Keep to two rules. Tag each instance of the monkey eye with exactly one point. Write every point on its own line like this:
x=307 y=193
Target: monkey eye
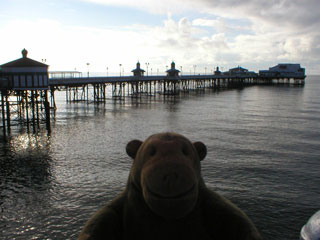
x=185 y=151
x=153 y=151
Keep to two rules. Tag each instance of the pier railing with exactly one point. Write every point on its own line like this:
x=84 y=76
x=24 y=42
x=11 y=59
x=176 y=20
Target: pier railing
x=112 y=79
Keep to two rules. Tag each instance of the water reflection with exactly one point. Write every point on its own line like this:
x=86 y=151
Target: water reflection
x=25 y=179
x=25 y=163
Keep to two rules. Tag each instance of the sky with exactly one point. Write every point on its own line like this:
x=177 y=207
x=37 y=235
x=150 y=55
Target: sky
x=197 y=35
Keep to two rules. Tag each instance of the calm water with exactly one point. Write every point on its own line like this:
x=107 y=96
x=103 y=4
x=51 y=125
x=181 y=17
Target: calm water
x=263 y=154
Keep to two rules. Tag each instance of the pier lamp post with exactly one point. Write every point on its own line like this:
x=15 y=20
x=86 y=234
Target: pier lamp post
x=107 y=71
x=88 y=68
x=120 y=68
x=181 y=70
x=151 y=72
x=194 y=69
x=205 y=71
x=147 y=65
x=158 y=71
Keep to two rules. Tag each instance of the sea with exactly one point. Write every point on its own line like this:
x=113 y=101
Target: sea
x=263 y=154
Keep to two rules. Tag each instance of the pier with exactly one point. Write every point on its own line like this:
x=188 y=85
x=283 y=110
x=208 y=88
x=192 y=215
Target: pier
x=77 y=88
x=28 y=89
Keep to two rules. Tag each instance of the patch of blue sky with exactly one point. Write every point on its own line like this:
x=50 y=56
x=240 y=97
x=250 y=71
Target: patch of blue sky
x=77 y=13
x=231 y=27
x=112 y=16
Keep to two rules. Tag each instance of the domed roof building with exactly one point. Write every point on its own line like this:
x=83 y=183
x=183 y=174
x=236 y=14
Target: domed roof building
x=173 y=72
x=138 y=71
x=24 y=74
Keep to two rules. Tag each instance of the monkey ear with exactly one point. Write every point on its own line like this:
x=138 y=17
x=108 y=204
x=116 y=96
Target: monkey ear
x=132 y=148
x=201 y=150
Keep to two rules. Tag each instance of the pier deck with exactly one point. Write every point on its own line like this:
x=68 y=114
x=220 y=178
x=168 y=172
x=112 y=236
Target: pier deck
x=113 y=79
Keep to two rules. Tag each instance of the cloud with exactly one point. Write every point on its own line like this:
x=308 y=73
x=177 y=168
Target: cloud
x=278 y=29
x=187 y=43
x=280 y=13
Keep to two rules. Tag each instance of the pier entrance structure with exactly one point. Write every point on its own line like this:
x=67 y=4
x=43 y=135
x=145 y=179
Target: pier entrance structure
x=24 y=85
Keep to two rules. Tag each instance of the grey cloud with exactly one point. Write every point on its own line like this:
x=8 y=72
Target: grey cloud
x=294 y=13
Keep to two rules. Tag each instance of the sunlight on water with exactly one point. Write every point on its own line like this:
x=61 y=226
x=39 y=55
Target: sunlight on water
x=29 y=142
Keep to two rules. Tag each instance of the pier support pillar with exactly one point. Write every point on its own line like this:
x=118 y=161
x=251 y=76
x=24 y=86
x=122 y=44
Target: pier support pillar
x=47 y=111
x=3 y=114
x=8 y=112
